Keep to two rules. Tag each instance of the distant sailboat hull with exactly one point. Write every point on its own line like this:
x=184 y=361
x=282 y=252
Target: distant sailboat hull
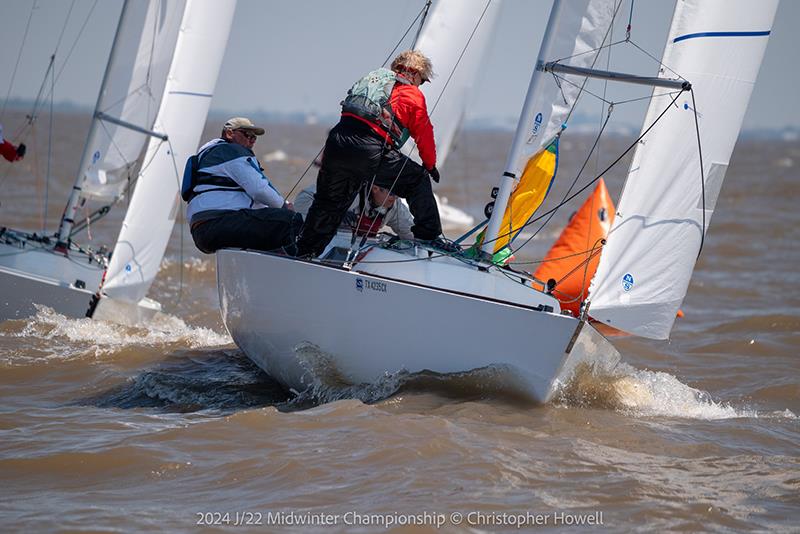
x=31 y=277
x=363 y=327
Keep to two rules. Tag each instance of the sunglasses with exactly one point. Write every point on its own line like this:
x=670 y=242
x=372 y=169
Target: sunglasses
x=249 y=135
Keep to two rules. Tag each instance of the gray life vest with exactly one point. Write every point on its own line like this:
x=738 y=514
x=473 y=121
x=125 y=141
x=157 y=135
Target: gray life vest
x=368 y=98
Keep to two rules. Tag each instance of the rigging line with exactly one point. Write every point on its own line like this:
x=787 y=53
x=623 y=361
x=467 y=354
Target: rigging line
x=648 y=97
x=49 y=149
x=461 y=56
x=630 y=23
x=102 y=211
x=77 y=38
x=581 y=87
x=178 y=181
x=613 y=163
x=64 y=27
x=593 y=50
x=441 y=94
x=421 y=24
x=551 y=260
x=32 y=117
x=16 y=65
x=594 y=251
x=574 y=181
x=455 y=67
x=594 y=61
x=660 y=64
x=702 y=172
x=413 y=22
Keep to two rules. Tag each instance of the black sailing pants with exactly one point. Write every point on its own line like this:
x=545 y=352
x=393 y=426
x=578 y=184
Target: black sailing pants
x=353 y=155
x=266 y=229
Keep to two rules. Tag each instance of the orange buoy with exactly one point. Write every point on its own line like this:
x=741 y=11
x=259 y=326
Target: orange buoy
x=573 y=258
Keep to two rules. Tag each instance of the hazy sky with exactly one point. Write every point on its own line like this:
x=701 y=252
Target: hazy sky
x=302 y=55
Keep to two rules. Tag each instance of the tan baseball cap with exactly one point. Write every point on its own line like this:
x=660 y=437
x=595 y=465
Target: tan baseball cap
x=242 y=123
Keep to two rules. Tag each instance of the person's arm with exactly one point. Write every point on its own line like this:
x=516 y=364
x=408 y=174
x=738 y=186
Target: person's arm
x=399 y=219
x=246 y=172
x=408 y=104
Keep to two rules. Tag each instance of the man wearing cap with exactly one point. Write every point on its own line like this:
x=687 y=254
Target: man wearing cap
x=232 y=203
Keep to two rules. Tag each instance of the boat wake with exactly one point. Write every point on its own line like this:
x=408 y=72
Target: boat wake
x=325 y=383
x=66 y=337
x=646 y=393
x=189 y=381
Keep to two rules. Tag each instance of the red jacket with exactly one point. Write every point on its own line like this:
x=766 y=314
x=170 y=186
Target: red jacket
x=8 y=151
x=408 y=104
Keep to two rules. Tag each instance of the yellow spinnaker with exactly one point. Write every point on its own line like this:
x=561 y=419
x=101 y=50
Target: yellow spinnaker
x=529 y=193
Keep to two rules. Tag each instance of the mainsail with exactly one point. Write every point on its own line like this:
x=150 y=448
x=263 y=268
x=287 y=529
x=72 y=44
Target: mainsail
x=576 y=31
x=667 y=203
x=182 y=116
x=456 y=36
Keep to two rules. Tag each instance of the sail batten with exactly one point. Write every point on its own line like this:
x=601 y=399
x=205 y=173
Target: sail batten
x=668 y=200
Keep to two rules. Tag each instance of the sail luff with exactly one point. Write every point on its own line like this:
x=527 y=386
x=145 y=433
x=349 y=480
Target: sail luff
x=155 y=202
x=667 y=202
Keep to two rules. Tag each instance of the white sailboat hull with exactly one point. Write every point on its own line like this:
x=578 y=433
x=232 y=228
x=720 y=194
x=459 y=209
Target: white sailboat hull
x=66 y=283
x=366 y=326
x=31 y=276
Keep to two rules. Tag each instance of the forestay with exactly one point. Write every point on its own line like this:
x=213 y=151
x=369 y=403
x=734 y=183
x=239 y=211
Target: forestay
x=645 y=268
x=132 y=92
x=184 y=108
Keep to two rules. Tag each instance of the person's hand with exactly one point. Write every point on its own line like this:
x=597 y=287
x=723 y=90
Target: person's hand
x=21 y=149
x=288 y=205
x=350 y=219
x=434 y=174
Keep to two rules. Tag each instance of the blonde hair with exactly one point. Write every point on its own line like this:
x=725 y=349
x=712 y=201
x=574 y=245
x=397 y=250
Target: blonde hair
x=413 y=60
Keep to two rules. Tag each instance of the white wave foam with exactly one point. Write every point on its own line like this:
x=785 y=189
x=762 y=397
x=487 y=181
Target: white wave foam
x=105 y=337
x=662 y=394
x=644 y=393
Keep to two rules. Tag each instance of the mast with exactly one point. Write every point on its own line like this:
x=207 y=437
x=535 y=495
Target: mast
x=525 y=127
x=68 y=218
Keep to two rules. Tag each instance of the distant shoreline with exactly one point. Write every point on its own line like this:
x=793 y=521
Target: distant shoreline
x=503 y=124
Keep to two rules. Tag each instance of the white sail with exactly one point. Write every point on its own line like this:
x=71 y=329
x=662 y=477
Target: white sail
x=184 y=108
x=456 y=36
x=575 y=32
x=645 y=268
x=132 y=92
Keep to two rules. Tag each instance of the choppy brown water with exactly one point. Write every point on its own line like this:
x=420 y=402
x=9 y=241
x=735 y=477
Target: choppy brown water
x=113 y=428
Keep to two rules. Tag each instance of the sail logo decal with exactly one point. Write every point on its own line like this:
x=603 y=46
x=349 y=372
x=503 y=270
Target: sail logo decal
x=369 y=285
x=686 y=106
x=537 y=125
x=627 y=282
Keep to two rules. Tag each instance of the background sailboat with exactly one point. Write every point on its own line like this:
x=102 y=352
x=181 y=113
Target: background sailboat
x=133 y=102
